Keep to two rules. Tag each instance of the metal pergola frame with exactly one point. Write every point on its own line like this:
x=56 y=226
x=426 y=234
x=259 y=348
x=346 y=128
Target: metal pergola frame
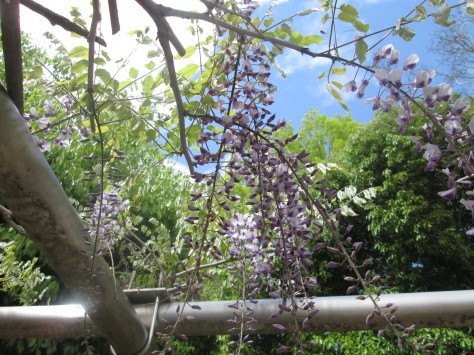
x=336 y=314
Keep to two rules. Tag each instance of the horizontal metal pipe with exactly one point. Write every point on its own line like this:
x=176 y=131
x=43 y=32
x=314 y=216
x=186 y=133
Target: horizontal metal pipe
x=426 y=310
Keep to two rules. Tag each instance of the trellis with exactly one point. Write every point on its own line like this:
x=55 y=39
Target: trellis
x=37 y=201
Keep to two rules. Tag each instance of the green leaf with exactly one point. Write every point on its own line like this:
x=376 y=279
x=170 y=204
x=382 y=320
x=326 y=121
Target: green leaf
x=324 y=19
x=307 y=40
x=279 y=32
x=152 y=54
x=345 y=17
x=268 y=21
x=80 y=66
x=361 y=51
x=133 y=73
x=99 y=61
x=359 y=201
x=189 y=70
x=370 y=193
x=338 y=71
x=350 y=10
x=189 y=52
x=150 y=65
x=406 y=33
x=441 y=16
x=360 y=26
x=322 y=76
x=124 y=84
x=36 y=73
x=421 y=11
x=104 y=75
x=79 y=52
x=335 y=94
x=347 y=211
x=287 y=28
x=106 y=56
x=303 y=40
x=470 y=7
x=147 y=85
x=338 y=85
x=307 y=12
x=150 y=135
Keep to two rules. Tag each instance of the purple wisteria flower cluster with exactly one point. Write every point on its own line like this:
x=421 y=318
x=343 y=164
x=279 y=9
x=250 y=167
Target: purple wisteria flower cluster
x=43 y=125
x=419 y=98
x=283 y=216
x=102 y=216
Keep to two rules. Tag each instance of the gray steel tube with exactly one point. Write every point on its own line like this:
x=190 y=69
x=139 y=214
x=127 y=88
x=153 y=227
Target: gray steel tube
x=344 y=313
x=32 y=192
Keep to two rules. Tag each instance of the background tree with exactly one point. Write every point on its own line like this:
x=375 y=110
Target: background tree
x=454 y=46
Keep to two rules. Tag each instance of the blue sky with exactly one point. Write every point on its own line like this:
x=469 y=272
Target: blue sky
x=302 y=90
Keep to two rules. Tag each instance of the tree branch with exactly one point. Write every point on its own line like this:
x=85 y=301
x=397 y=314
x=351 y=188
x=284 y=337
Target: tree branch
x=56 y=19
x=154 y=10
x=165 y=36
x=96 y=17
x=11 y=42
x=114 y=17
x=6 y=214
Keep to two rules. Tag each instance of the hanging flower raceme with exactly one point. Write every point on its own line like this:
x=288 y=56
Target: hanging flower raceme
x=426 y=98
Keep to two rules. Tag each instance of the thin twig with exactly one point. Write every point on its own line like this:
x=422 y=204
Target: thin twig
x=217 y=263
x=6 y=215
x=159 y=10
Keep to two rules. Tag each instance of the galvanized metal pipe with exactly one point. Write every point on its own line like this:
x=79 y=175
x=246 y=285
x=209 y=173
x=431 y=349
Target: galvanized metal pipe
x=345 y=313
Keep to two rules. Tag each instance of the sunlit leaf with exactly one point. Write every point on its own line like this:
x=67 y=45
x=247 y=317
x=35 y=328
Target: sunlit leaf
x=441 y=16
x=189 y=70
x=268 y=21
x=346 y=17
x=79 y=52
x=361 y=50
x=36 y=73
x=104 y=75
x=150 y=65
x=189 y=52
x=334 y=93
x=421 y=10
x=347 y=211
x=338 y=71
x=349 y=9
x=133 y=73
x=406 y=33
x=360 y=26
x=308 y=11
x=470 y=7
x=99 y=61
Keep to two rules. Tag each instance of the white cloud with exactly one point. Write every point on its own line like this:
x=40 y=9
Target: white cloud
x=273 y=2
x=176 y=166
x=293 y=61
